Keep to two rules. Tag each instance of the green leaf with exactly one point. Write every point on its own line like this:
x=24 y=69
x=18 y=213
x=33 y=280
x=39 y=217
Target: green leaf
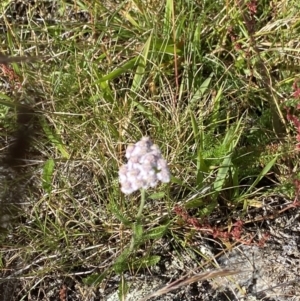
x=262 y=173
x=222 y=173
x=155 y=233
x=141 y=66
x=119 y=215
x=145 y=262
x=120 y=267
x=195 y=125
x=216 y=107
x=47 y=174
x=167 y=21
x=95 y=279
x=208 y=209
x=54 y=139
x=229 y=143
x=117 y=72
x=8 y=103
x=106 y=90
x=121 y=263
x=137 y=82
x=130 y=19
x=196 y=203
x=137 y=232
x=199 y=138
x=156 y=196
x=143 y=109
x=162 y=46
x=200 y=92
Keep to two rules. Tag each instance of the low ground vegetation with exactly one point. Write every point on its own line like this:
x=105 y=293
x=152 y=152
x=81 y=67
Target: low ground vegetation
x=214 y=84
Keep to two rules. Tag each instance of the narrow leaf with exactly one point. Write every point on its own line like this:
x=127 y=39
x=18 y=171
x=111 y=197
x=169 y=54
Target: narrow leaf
x=156 y=233
x=141 y=66
x=121 y=263
x=262 y=173
x=47 y=175
x=167 y=22
x=95 y=279
x=200 y=92
x=53 y=138
x=156 y=196
x=145 y=262
x=137 y=232
x=222 y=174
x=117 y=72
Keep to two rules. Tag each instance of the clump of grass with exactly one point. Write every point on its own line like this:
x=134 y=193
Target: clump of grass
x=205 y=80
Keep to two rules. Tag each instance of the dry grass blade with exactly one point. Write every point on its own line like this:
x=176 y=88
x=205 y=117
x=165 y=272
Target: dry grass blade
x=17 y=59
x=187 y=280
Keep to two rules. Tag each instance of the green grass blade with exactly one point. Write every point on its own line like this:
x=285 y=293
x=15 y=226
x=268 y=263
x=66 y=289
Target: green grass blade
x=216 y=107
x=167 y=22
x=222 y=174
x=129 y=65
x=95 y=279
x=200 y=92
x=47 y=174
x=141 y=66
x=54 y=139
x=262 y=174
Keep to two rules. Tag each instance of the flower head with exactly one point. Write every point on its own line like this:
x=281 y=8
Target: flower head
x=145 y=167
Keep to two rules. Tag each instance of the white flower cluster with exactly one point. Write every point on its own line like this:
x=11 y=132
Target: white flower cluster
x=145 y=167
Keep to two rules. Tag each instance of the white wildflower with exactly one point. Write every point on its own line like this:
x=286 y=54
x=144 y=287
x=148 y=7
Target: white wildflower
x=145 y=167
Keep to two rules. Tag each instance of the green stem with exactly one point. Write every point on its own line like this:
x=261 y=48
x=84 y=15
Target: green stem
x=143 y=198
x=133 y=241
